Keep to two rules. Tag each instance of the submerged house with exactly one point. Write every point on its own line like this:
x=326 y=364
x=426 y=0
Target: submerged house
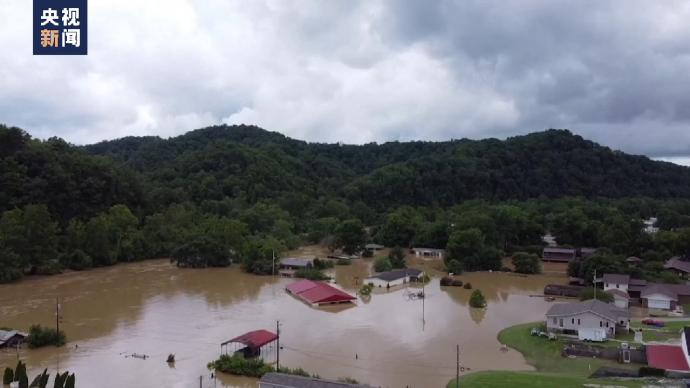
x=318 y=293
x=671 y=357
x=288 y=266
x=395 y=278
x=429 y=253
x=11 y=338
x=588 y=319
x=558 y=255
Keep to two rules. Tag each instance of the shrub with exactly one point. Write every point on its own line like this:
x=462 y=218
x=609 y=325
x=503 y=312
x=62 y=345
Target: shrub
x=366 y=289
x=77 y=260
x=8 y=376
x=322 y=264
x=526 y=263
x=477 y=299
x=447 y=281
x=397 y=257
x=311 y=274
x=506 y=269
x=454 y=267
x=588 y=293
x=238 y=365
x=42 y=336
x=467 y=286
x=651 y=371
x=20 y=372
x=382 y=264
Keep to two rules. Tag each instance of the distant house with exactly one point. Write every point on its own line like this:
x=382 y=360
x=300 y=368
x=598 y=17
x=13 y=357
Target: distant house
x=374 y=247
x=633 y=260
x=614 y=281
x=589 y=316
x=289 y=265
x=649 y=225
x=665 y=296
x=676 y=263
x=560 y=255
x=430 y=253
x=395 y=278
x=318 y=293
x=282 y=380
x=549 y=239
x=11 y=338
x=586 y=253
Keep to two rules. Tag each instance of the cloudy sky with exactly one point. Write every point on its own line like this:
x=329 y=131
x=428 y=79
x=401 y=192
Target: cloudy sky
x=617 y=72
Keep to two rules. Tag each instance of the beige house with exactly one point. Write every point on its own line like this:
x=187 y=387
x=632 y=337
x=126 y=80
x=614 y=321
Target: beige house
x=573 y=318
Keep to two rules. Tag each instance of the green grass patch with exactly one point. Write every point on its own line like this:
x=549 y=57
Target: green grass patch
x=505 y=379
x=545 y=355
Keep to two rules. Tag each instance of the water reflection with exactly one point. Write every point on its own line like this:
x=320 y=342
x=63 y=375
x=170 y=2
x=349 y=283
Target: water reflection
x=156 y=309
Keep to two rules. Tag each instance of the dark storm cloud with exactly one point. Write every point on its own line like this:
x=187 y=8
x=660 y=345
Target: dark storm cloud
x=616 y=72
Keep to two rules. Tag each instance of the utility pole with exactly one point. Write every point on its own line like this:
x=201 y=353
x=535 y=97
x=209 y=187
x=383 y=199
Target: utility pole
x=278 y=347
x=594 y=282
x=57 y=314
x=200 y=381
x=457 y=366
x=273 y=267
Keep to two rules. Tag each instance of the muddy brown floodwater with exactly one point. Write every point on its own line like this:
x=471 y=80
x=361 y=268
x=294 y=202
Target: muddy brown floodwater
x=154 y=308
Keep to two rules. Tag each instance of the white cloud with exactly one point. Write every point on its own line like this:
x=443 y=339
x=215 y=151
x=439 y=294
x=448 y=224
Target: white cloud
x=359 y=71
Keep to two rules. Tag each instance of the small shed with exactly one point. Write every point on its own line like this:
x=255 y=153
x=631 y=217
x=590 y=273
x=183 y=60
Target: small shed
x=252 y=343
x=11 y=338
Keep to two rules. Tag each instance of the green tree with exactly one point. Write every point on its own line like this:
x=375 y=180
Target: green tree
x=397 y=257
x=477 y=299
x=589 y=293
x=527 y=263
x=32 y=234
x=8 y=376
x=382 y=264
x=350 y=235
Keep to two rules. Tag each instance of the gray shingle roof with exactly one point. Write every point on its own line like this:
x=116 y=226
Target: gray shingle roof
x=398 y=274
x=597 y=307
x=293 y=262
x=270 y=380
x=616 y=278
x=678 y=264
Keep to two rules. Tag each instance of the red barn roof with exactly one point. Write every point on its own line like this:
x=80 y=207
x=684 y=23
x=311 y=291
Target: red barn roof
x=318 y=292
x=254 y=339
x=667 y=357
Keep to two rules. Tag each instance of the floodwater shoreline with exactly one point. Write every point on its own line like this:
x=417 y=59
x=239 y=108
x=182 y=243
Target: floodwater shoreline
x=151 y=307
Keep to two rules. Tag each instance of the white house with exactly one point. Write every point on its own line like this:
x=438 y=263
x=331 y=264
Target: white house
x=395 y=278
x=430 y=253
x=614 y=281
x=592 y=316
x=659 y=296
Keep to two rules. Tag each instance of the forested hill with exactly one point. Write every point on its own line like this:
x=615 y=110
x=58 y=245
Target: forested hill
x=252 y=164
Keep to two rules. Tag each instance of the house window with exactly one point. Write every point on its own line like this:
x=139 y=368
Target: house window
x=573 y=321
x=607 y=285
x=578 y=321
x=601 y=324
x=617 y=285
x=607 y=323
x=560 y=323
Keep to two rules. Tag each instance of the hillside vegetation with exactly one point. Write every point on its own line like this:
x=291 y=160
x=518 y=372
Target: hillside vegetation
x=237 y=194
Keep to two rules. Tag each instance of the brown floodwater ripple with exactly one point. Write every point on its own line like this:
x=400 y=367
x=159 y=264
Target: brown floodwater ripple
x=154 y=308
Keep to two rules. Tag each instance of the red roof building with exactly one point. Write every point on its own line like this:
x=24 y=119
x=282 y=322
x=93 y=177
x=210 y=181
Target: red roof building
x=318 y=293
x=253 y=342
x=669 y=357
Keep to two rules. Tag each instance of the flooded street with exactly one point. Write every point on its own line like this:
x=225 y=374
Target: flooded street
x=155 y=308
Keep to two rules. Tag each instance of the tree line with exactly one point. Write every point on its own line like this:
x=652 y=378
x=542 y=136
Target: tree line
x=242 y=195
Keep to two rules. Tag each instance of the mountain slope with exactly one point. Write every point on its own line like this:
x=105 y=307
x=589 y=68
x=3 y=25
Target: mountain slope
x=252 y=164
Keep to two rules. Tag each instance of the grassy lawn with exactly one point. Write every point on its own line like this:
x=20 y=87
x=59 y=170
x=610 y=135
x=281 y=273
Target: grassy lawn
x=546 y=356
x=670 y=331
x=505 y=379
